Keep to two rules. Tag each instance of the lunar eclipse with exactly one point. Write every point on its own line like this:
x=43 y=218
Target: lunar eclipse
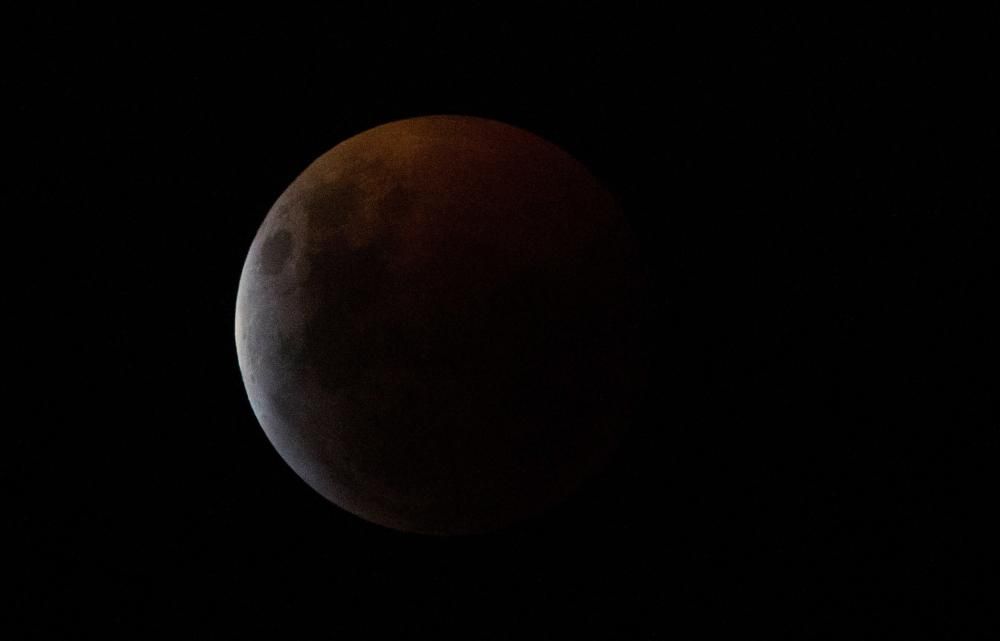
x=438 y=324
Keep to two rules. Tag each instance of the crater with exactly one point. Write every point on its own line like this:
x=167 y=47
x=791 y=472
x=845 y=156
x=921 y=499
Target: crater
x=276 y=251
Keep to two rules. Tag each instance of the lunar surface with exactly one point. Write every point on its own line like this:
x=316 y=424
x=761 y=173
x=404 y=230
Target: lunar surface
x=437 y=325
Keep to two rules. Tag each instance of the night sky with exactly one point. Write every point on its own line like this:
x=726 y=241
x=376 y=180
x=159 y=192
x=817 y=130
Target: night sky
x=811 y=204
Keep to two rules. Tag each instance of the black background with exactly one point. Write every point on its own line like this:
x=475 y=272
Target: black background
x=811 y=198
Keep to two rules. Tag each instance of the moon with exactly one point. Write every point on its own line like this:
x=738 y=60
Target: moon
x=438 y=325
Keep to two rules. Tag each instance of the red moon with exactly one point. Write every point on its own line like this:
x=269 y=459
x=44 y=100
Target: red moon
x=438 y=324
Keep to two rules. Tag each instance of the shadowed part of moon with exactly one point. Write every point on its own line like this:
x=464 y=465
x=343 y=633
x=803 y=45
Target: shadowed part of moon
x=437 y=324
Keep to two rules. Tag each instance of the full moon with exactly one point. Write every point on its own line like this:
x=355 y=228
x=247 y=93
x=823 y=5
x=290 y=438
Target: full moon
x=437 y=325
